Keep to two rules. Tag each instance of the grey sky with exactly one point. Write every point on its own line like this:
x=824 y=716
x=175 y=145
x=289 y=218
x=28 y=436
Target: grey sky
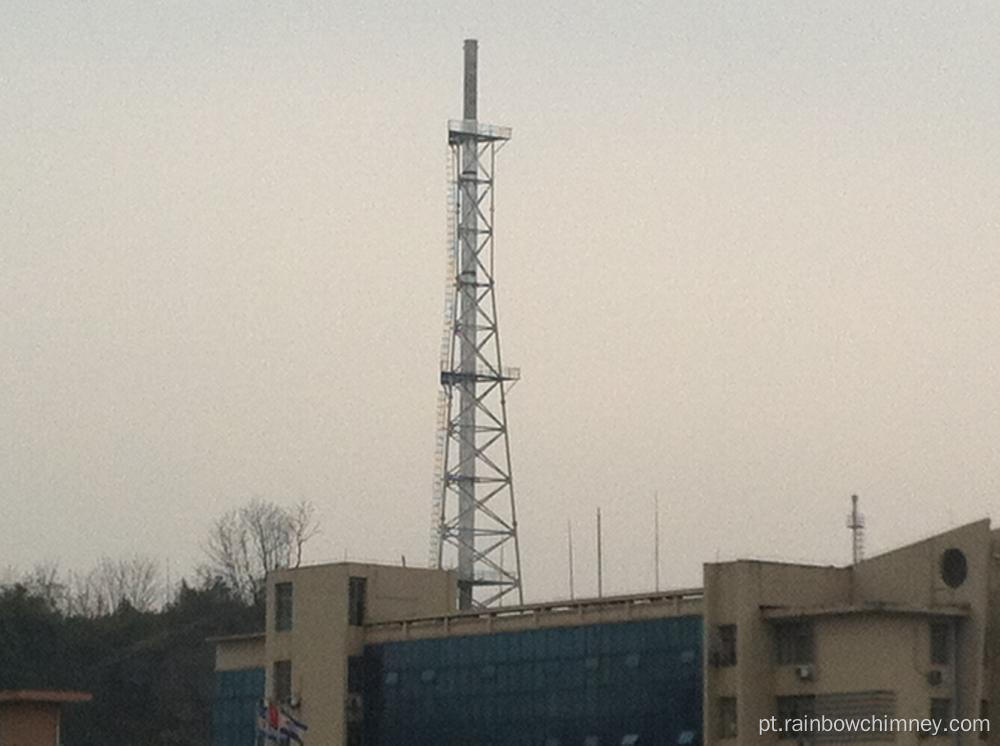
x=747 y=256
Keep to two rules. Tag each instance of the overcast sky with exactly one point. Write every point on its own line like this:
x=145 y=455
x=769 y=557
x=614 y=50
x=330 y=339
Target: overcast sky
x=747 y=257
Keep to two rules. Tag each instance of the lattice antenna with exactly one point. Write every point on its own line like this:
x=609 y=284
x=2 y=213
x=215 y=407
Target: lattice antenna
x=856 y=522
x=474 y=492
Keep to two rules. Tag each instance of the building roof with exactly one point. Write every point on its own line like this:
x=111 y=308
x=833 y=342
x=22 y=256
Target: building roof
x=635 y=599
x=245 y=637
x=48 y=696
x=881 y=608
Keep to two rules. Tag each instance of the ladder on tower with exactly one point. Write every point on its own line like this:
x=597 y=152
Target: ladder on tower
x=441 y=430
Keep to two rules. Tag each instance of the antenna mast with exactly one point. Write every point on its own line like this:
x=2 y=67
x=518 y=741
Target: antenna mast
x=856 y=522
x=600 y=558
x=474 y=511
x=569 y=539
x=656 y=539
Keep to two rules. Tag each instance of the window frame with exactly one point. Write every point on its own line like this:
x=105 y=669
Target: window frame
x=795 y=643
x=940 y=643
x=727 y=718
x=357 y=600
x=791 y=707
x=726 y=645
x=284 y=606
x=355 y=674
x=935 y=708
x=281 y=685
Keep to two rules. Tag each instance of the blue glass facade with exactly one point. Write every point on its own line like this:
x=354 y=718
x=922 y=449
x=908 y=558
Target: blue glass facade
x=237 y=694
x=594 y=685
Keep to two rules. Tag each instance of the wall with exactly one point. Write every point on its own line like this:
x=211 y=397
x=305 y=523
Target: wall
x=553 y=686
x=320 y=640
x=554 y=614
x=239 y=652
x=912 y=574
x=871 y=627
x=735 y=592
x=29 y=724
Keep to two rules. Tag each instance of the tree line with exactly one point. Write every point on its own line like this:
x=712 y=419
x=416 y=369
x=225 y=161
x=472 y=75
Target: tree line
x=141 y=648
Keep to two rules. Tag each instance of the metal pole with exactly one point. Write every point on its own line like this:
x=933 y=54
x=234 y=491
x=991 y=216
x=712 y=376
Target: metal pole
x=854 y=529
x=569 y=536
x=467 y=277
x=656 y=538
x=600 y=562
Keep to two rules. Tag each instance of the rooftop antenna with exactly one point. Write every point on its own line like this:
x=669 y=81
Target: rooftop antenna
x=656 y=539
x=473 y=505
x=856 y=522
x=600 y=561
x=569 y=539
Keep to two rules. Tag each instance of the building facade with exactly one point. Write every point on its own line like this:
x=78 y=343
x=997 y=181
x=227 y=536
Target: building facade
x=33 y=717
x=378 y=655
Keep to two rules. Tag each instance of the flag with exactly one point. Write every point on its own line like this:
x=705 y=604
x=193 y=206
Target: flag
x=268 y=721
x=265 y=729
x=291 y=727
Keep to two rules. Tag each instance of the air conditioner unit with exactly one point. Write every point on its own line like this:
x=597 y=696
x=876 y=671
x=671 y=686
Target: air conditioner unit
x=934 y=677
x=806 y=672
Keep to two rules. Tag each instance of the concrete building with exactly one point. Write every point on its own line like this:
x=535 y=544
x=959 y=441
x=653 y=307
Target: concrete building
x=371 y=654
x=30 y=717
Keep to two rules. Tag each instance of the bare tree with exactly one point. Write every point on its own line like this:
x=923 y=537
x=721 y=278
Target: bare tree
x=83 y=597
x=246 y=543
x=304 y=526
x=43 y=581
x=9 y=576
x=133 y=580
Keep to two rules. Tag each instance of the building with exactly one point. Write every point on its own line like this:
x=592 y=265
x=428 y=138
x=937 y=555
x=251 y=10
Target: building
x=31 y=717
x=377 y=655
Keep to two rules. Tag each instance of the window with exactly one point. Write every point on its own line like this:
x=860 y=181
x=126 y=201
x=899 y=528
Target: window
x=283 y=607
x=794 y=643
x=954 y=567
x=356 y=590
x=940 y=708
x=726 y=645
x=726 y=723
x=282 y=686
x=940 y=643
x=793 y=715
x=355 y=673
x=354 y=734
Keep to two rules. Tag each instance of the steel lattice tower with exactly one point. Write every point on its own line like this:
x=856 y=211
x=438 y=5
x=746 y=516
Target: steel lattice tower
x=474 y=491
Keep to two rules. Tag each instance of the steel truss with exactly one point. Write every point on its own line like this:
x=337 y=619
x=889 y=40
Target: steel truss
x=474 y=490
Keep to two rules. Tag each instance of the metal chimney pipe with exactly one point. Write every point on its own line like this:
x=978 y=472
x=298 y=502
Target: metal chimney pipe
x=471 y=72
